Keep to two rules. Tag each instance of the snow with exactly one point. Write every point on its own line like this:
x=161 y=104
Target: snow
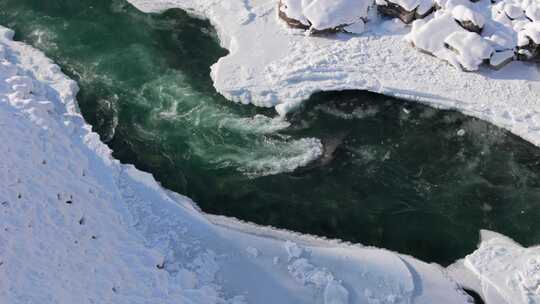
x=424 y=7
x=502 y=270
x=324 y=14
x=293 y=9
x=408 y=5
x=471 y=49
x=530 y=32
x=463 y=13
x=79 y=227
x=430 y=36
x=285 y=67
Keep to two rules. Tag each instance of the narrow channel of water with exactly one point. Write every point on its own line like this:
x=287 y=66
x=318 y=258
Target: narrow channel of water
x=394 y=174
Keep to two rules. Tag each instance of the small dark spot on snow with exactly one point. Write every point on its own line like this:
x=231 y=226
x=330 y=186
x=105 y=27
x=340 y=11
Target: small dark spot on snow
x=160 y=266
x=5 y=204
x=82 y=221
x=94 y=237
x=1 y=263
x=43 y=162
x=19 y=196
x=59 y=196
x=114 y=289
x=69 y=202
x=76 y=242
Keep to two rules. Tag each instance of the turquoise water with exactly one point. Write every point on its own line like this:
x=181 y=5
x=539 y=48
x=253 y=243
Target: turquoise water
x=394 y=174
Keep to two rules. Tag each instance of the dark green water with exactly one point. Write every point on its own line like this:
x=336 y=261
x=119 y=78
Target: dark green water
x=400 y=176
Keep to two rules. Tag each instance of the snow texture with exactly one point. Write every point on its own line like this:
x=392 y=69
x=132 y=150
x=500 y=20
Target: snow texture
x=79 y=227
x=502 y=270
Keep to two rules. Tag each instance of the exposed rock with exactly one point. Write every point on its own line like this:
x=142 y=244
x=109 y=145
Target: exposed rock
x=323 y=17
x=396 y=11
x=294 y=23
x=470 y=26
x=424 y=9
x=468 y=19
x=471 y=49
x=406 y=10
x=529 y=52
x=529 y=42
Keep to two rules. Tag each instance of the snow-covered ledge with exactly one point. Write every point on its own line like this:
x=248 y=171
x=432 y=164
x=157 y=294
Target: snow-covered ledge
x=273 y=66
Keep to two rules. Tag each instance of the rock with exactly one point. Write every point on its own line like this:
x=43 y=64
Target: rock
x=324 y=17
x=468 y=19
x=529 y=52
x=406 y=10
x=471 y=49
x=292 y=22
x=529 y=42
x=390 y=9
x=425 y=8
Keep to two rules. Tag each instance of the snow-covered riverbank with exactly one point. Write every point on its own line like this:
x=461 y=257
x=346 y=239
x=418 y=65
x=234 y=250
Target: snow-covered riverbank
x=273 y=66
x=79 y=227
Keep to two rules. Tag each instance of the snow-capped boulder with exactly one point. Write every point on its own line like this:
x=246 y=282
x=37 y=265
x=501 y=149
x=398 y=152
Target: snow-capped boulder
x=513 y=11
x=468 y=18
x=429 y=36
x=444 y=38
x=290 y=11
x=406 y=10
x=529 y=42
x=505 y=269
x=320 y=16
x=470 y=48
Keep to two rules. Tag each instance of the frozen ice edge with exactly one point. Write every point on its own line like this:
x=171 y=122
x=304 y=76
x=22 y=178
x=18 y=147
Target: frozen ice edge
x=272 y=66
x=80 y=227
